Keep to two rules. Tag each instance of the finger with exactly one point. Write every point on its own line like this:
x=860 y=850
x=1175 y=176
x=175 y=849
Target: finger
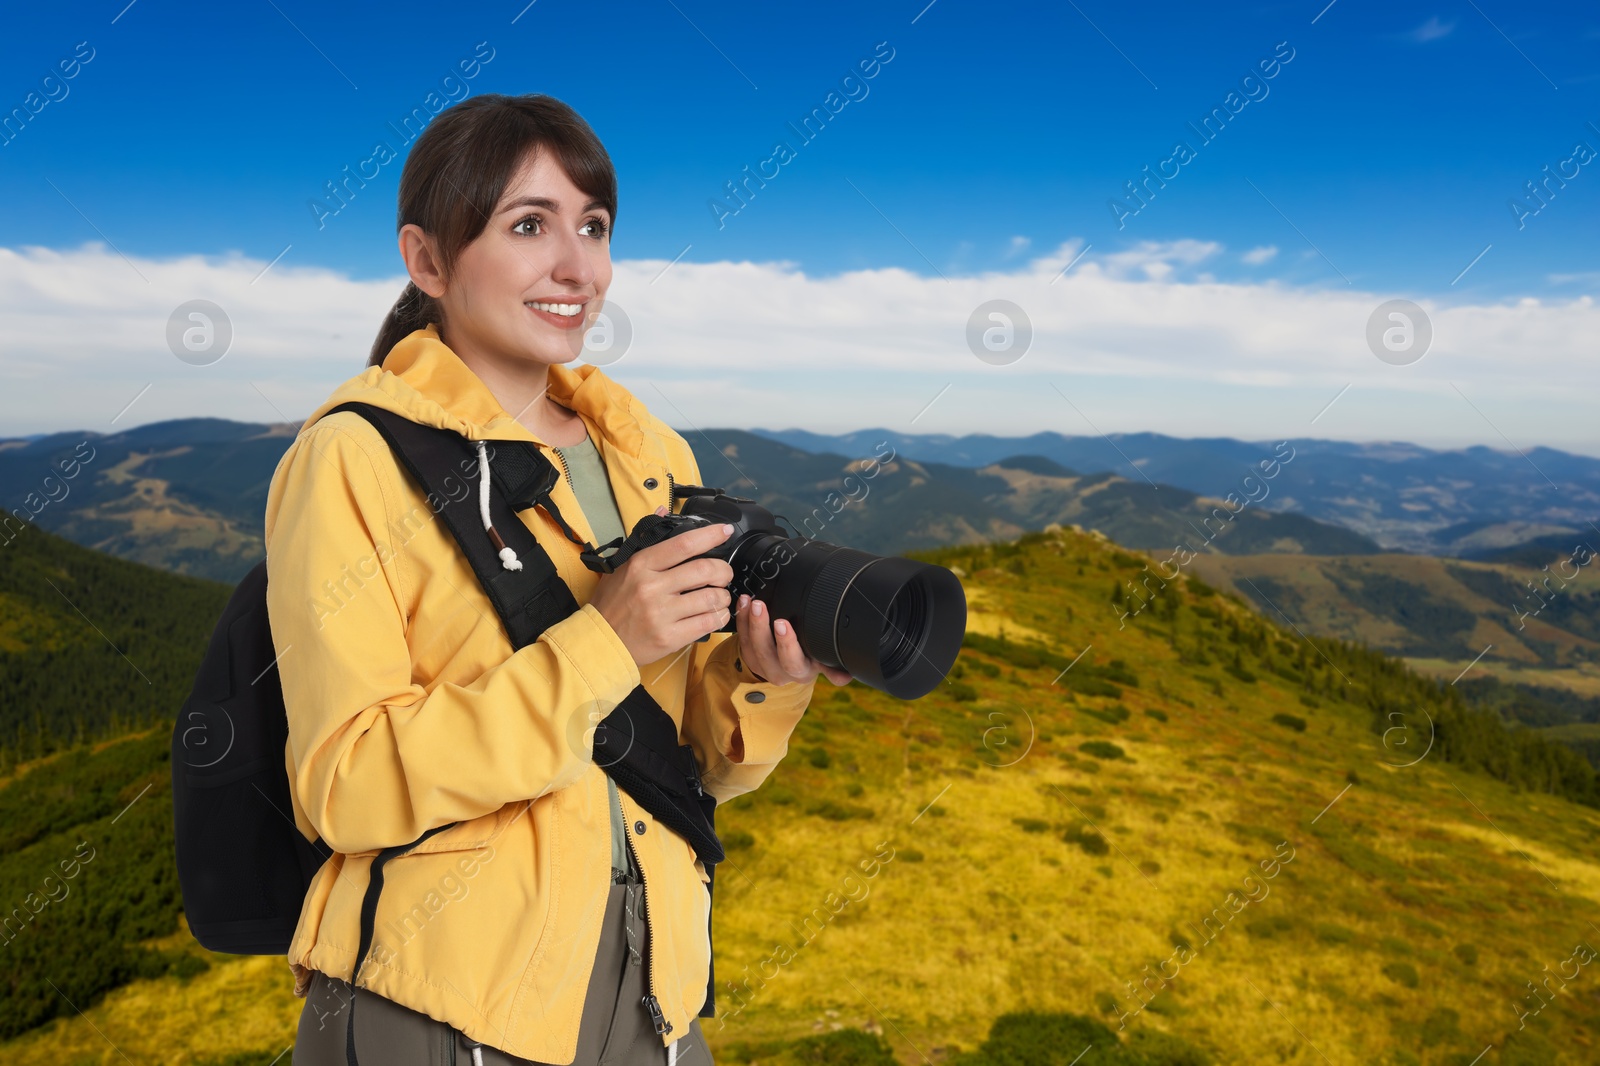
x=761 y=671
x=697 y=625
x=741 y=627
x=696 y=574
x=705 y=601
x=758 y=651
x=833 y=673
x=683 y=547
x=790 y=654
x=700 y=585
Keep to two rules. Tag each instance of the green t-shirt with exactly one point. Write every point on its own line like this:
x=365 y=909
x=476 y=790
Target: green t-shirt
x=587 y=475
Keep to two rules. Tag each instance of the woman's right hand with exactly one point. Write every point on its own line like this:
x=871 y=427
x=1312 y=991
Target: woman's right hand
x=663 y=598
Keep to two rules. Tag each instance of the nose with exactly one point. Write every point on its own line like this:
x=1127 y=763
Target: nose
x=574 y=262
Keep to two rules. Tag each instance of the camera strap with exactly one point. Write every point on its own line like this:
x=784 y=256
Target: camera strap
x=637 y=742
x=649 y=530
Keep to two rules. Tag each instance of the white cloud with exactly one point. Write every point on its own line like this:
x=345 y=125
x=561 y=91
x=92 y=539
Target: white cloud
x=1257 y=256
x=1431 y=30
x=1157 y=259
x=1142 y=339
x=1584 y=277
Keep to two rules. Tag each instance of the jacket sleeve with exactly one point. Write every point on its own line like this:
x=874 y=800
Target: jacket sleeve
x=375 y=758
x=737 y=740
x=739 y=727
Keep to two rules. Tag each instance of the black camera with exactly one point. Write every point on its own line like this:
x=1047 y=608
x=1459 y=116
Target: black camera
x=896 y=624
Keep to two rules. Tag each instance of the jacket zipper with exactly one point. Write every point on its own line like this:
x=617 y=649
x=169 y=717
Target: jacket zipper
x=651 y=1003
x=565 y=472
x=672 y=490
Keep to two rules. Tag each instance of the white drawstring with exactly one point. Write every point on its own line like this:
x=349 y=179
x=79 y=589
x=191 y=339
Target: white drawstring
x=508 y=556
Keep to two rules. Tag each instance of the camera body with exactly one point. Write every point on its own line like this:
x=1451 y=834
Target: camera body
x=758 y=548
x=894 y=623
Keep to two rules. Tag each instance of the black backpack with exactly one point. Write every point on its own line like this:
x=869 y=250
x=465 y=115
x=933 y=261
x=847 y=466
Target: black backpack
x=243 y=865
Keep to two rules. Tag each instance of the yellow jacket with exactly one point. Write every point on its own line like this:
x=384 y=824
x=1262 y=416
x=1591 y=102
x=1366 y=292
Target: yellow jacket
x=408 y=710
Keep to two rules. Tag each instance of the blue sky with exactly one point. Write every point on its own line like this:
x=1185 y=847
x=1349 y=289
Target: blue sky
x=1393 y=139
x=1377 y=162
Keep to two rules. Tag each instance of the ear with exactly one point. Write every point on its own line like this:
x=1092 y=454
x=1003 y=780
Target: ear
x=422 y=260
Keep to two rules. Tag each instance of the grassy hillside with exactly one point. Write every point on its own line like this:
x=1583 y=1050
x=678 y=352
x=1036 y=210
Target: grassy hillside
x=91 y=645
x=1438 y=613
x=1134 y=805
x=1514 y=637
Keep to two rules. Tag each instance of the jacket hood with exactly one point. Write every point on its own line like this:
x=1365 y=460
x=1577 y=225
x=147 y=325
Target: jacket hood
x=424 y=380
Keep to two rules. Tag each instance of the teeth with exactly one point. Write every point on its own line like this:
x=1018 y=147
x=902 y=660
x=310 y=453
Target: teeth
x=565 y=310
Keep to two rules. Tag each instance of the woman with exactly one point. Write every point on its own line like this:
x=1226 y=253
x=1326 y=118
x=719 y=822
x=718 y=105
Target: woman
x=555 y=921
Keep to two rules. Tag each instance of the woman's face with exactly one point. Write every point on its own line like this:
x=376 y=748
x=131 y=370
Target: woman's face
x=530 y=285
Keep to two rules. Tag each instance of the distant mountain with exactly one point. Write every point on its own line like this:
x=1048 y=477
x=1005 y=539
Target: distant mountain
x=1441 y=614
x=190 y=495
x=1540 y=551
x=908 y=505
x=1403 y=496
x=187 y=495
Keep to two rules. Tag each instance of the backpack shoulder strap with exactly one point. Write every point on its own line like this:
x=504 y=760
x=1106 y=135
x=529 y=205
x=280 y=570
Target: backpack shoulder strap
x=444 y=465
x=639 y=738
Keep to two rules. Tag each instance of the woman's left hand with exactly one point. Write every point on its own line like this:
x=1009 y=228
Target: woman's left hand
x=772 y=650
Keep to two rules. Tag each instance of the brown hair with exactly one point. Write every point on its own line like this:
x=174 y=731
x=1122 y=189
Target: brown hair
x=457 y=173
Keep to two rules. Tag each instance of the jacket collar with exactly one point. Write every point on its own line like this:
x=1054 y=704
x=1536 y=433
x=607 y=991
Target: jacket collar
x=424 y=380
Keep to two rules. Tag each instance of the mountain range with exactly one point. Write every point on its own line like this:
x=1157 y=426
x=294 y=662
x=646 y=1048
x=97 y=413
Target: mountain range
x=1300 y=529
x=1473 y=502
x=188 y=496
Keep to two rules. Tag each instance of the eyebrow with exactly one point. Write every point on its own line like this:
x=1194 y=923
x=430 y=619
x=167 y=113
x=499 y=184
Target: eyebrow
x=546 y=203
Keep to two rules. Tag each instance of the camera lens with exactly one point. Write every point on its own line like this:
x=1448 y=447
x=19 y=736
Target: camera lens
x=905 y=617
x=895 y=623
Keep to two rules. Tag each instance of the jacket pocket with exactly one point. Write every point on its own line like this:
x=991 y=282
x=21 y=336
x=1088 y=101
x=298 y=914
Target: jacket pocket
x=473 y=833
x=410 y=897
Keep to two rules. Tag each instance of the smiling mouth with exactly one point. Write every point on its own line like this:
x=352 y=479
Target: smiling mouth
x=561 y=316
x=564 y=310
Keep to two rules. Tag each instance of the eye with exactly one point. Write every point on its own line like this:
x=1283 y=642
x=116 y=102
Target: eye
x=600 y=227
x=535 y=219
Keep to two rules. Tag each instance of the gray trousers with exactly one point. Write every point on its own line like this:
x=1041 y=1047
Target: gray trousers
x=615 y=1029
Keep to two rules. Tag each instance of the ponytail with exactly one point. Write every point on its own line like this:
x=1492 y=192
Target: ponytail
x=413 y=311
